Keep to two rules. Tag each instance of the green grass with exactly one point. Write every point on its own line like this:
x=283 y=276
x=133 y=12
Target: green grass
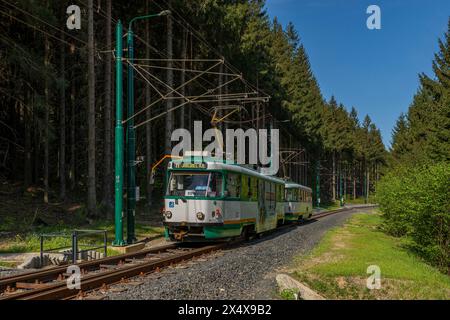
x=337 y=267
x=331 y=205
x=350 y=200
x=8 y=264
x=289 y=294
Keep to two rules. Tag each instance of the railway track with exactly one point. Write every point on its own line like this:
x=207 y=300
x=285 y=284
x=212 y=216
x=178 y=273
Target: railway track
x=328 y=213
x=51 y=284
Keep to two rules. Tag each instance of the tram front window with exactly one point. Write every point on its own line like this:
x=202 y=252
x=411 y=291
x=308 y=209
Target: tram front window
x=193 y=184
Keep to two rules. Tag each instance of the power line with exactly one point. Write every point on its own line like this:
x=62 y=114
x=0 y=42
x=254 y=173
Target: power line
x=48 y=24
x=40 y=30
x=200 y=38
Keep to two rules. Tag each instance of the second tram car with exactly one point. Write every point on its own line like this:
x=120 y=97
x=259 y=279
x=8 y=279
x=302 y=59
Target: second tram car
x=298 y=202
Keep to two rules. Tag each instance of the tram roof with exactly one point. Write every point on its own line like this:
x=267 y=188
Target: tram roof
x=293 y=185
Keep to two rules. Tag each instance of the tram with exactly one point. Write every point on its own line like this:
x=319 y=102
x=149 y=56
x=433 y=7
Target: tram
x=210 y=200
x=298 y=202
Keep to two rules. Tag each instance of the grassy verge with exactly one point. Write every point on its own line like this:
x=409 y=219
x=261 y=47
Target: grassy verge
x=8 y=264
x=360 y=200
x=331 y=205
x=337 y=267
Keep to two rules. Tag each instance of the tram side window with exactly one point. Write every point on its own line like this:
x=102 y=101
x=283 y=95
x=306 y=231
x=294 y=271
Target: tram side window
x=215 y=185
x=270 y=193
x=246 y=188
x=280 y=193
x=233 y=185
x=290 y=194
x=254 y=188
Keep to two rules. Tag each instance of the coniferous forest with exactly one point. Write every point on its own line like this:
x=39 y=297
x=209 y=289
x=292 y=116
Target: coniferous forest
x=58 y=102
x=57 y=106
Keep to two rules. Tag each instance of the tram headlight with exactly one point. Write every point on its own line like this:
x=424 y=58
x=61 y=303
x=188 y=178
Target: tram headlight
x=168 y=214
x=200 y=216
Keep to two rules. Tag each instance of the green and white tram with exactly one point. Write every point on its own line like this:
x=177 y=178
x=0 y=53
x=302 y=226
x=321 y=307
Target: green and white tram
x=212 y=200
x=298 y=205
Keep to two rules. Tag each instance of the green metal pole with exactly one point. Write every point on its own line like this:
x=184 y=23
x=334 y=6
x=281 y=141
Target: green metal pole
x=131 y=134
x=118 y=208
x=318 y=183
x=131 y=145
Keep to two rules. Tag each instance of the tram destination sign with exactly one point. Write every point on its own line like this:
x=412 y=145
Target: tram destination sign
x=189 y=165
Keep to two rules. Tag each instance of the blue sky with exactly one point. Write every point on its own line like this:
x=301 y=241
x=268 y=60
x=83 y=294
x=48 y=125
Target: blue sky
x=375 y=71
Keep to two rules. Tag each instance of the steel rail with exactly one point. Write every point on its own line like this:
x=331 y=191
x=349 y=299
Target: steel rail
x=60 y=290
x=50 y=273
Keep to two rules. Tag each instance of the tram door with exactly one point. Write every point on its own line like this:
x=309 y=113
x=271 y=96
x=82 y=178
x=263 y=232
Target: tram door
x=261 y=206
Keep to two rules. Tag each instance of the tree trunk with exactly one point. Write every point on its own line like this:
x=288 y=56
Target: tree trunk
x=46 y=120
x=183 y=76
x=189 y=116
x=367 y=184
x=334 y=177
x=37 y=148
x=148 y=126
x=62 y=126
x=72 y=175
x=220 y=112
x=107 y=179
x=344 y=178
x=27 y=165
x=169 y=76
x=92 y=198
x=354 y=182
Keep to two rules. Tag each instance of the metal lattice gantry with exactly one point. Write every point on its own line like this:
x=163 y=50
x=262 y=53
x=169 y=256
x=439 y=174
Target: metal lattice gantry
x=205 y=78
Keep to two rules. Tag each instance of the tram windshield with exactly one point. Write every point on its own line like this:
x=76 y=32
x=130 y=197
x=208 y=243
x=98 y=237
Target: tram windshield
x=195 y=184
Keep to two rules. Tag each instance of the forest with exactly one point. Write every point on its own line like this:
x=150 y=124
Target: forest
x=415 y=192
x=57 y=99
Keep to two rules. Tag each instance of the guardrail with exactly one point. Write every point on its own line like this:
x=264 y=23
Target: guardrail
x=73 y=250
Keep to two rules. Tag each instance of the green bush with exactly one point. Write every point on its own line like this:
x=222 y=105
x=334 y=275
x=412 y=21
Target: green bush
x=415 y=202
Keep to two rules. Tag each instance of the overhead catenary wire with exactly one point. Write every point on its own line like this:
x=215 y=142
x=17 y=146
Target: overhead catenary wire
x=40 y=30
x=184 y=103
x=241 y=97
x=196 y=80
x=170 y=92
x=44 y=22
x=199 y=37
x=184 y=69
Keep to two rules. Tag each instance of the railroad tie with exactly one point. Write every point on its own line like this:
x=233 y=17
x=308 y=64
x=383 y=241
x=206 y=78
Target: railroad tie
x=31 y=286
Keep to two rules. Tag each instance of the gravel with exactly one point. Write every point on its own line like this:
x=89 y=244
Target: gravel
x=245 y=272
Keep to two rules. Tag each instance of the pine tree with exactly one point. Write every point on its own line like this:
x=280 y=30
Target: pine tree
x=92 y=197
